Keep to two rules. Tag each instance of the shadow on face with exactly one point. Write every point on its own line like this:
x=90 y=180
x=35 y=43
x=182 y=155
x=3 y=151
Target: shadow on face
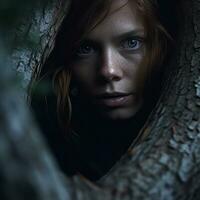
x=108 y=60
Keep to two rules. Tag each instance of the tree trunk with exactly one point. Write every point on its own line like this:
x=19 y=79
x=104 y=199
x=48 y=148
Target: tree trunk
x=27 y=168
x=164 y=165
x=36 y=32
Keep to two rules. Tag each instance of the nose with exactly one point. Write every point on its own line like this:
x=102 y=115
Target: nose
x=110 y=67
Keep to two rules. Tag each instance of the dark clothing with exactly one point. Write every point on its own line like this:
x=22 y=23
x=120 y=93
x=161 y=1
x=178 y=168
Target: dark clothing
x=100 y=144
x=95 y=145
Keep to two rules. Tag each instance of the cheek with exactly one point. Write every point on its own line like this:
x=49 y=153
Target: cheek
x=133 y=65
x=141 y=75
x=134 y=72
x=83 y=73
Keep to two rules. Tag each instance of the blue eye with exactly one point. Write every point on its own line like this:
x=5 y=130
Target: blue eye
x=85 y=50
x=131 y=44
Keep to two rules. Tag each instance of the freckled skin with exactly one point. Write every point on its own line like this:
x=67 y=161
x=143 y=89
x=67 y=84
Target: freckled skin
x=112 y=62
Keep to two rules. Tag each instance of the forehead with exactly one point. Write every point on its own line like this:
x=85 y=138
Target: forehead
x=122 y=18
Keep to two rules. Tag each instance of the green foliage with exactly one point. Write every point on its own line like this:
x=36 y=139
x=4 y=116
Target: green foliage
x=15 y=16
x=42 y=89
x=12 y=10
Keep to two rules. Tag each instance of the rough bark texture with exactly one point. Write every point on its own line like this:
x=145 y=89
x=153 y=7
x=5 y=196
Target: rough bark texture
x=37 y=31
x=27 y=169
x=165 y=165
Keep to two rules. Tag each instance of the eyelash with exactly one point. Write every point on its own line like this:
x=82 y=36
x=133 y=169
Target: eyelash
x=126 y=44
x=88 y=49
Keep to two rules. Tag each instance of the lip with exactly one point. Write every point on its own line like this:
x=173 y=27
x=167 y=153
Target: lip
x=112 y=100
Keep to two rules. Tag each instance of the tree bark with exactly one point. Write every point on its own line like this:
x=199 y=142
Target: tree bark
x=27 y=168
x=36 y=32
x=164 y=165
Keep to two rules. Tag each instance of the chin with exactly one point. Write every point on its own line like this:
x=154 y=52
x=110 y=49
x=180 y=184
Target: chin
x=119 y=114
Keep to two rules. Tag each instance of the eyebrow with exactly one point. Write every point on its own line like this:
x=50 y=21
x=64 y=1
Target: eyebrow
x=120 y=36
x=136 y=32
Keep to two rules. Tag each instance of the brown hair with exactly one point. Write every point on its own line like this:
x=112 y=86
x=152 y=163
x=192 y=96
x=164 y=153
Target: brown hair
x=80 y=19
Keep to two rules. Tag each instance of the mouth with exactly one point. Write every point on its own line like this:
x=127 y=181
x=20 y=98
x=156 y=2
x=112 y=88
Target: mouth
x=113 y=100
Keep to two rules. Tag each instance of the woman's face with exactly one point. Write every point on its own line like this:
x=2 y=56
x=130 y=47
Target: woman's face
x=108 y=62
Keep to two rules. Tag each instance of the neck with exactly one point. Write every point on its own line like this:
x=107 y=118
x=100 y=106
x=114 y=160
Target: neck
x=96 y=128
x=103 y=142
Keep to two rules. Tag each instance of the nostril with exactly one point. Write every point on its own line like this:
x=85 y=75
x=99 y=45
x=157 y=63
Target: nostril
x=108 y=77
x=110 y=73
